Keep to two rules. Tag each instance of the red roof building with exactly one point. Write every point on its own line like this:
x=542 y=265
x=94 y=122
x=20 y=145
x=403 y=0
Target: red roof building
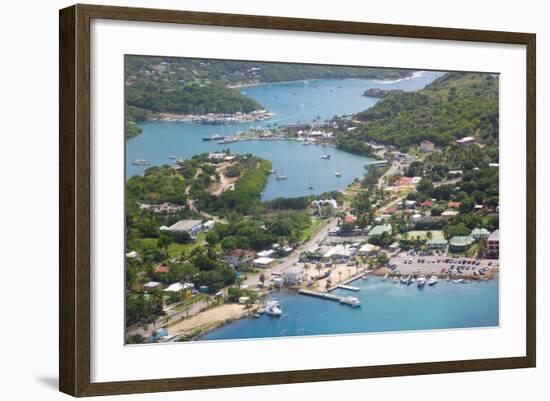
x=350 y=218
x=427 y=203
x=403 y=182
x=454 y=205
x=162 y=269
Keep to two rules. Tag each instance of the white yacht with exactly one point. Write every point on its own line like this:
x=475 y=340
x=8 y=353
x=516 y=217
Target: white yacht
x=351 y=301
x=433 y=280
x=273 y=308
x=421 y=281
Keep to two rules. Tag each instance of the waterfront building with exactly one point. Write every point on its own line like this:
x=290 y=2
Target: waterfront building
x=192 y=227
x=427 y=146
x=266 y=254
x=367 y=249
x=460 y=243
x=493 y=244
x=293 y=276
x=480 y=233
x=209 y=225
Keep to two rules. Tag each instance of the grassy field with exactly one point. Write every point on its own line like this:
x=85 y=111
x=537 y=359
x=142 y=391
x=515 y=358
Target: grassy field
x=174 y=249
x=311 y=230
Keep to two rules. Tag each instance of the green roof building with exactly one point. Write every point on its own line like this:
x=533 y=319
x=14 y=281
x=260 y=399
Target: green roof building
x=479 y=233
x=437 y=243
x=381 y=229
x=460 y=243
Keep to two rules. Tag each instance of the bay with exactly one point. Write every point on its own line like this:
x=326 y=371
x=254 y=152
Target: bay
x=300 y=101
x=385 y=307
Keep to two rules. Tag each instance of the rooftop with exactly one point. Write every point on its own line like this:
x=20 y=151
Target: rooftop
x=184 y=225
x=380 y=229
x=494 y=236
x=460 y=241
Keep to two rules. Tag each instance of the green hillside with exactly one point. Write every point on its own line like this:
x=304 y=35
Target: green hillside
x=453 y=106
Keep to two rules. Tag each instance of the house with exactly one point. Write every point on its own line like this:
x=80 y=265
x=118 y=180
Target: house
x=403 y=182
x=437 y=244
x=480 y=233
x=350 y=219
x=427 y=146
x=216 y=156
x=132 y=255
x=381 y=229
x=338 y=252
x=454 y=205
x=177 y=287
x=493 y=244
x=410 y=203
x=266 y=254
x=238 y=257
x=427 y=203
x=243 y=300
x=161 y=269
x=367 y=249
x=151 y=285
x=263 y=262
x=460 y=243
x=466 y=141
x=449 y=213
x=192 y=227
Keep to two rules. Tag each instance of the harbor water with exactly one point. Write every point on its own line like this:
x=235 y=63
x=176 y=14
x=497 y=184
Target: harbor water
x=385 y=307
x=301 y=101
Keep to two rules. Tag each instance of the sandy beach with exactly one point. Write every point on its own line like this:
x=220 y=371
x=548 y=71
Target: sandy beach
x=210 y=319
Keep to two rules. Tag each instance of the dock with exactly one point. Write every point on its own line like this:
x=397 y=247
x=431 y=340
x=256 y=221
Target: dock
x=347 y=287
x=351 y=301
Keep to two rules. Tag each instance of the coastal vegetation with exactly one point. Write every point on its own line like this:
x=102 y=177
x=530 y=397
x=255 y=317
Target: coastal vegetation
x=454 y=105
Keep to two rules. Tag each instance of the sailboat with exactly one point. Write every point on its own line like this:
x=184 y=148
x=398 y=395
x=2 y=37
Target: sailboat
x=337 y=172
x=281 y=176
x=310 y=186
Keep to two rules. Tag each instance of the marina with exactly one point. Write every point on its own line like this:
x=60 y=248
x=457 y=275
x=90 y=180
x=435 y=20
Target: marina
x=385 y=307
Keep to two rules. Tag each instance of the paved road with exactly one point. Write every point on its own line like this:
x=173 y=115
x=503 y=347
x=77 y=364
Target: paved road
x=294 y=256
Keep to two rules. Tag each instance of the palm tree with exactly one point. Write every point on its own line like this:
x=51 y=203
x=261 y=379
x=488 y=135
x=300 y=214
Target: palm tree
x=339 y=276
x=318 y=268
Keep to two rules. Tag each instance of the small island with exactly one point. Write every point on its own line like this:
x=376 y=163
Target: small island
x=379 y=93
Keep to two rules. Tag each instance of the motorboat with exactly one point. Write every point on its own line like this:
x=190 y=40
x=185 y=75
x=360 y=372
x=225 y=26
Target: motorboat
x=326 y=157
x=337 y=174
x=141 y=162
x=433 y=280
x=458 y=281
x=385 y=277
x=396 y=279
x=421 y=281
x=273 y=308
x=351 y=301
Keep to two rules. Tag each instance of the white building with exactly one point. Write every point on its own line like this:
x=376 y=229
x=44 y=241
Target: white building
x=192 y=227
x=263 y=262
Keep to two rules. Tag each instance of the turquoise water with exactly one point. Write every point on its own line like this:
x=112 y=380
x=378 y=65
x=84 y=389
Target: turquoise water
x=385 y=306
x=292 y=102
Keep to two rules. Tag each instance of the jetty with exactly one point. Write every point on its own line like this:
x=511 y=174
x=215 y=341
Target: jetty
x=351 y=301
x=347 y=287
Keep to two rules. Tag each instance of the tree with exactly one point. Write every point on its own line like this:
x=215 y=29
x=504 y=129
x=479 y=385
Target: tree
x=306 y=269
x=163 y=242
x=262 y=278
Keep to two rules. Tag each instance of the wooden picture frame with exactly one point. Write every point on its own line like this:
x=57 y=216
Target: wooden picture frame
x=74 y=203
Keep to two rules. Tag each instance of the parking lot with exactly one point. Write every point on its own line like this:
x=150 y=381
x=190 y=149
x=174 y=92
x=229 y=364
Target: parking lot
x=443 y=265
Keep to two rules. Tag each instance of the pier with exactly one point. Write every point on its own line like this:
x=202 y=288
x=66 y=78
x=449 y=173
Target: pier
x=351 y=301
x=347 y=287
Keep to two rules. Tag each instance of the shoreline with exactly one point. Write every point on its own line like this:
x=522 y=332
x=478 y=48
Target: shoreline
x=415 y=74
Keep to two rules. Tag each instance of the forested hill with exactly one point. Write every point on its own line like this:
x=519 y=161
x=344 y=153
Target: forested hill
x=182 y=70
x=453 y=106
x=190 y=98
